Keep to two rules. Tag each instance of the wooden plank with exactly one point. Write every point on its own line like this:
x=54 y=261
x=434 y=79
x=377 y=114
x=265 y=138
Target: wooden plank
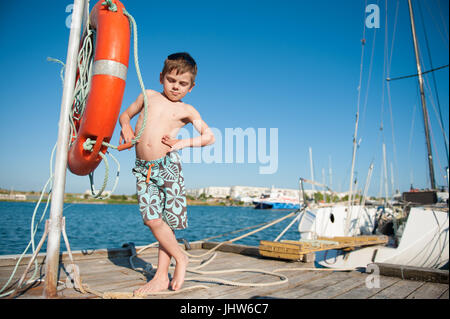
x=429 y=291
x=399 y=290
x=285 y=245
x=310 y=286
x=294 y=279
x=85 y=254
x=444 y=295
x=364 y=292
x=233 y=248
x=280 y=255
x=11 y=260
x=354 y=280
x=6 y=272
x=413 y=273
x=117 y=285
x=294 y=250
x=255 y=278
x=97 y=271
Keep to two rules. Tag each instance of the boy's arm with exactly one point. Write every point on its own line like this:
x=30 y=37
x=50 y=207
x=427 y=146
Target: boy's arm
x=127 y=133
x=206 y=135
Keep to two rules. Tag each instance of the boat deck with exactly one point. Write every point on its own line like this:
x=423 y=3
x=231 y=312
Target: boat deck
x=109 y=271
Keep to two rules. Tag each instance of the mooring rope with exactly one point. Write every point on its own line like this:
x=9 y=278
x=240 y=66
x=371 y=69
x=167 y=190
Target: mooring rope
x=195 y=270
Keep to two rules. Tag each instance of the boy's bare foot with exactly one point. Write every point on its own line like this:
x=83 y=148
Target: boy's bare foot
x=154 y=285
x=180 y=272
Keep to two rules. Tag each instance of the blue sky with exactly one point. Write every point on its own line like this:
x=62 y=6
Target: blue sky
x=290 y=65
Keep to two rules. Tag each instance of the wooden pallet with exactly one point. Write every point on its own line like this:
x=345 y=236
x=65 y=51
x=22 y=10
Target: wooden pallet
x=296 y=250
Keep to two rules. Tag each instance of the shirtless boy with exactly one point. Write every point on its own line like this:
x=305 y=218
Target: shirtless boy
x=160 y=181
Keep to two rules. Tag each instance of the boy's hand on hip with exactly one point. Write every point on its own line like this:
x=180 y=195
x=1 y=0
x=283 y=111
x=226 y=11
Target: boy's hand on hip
x=173 y=143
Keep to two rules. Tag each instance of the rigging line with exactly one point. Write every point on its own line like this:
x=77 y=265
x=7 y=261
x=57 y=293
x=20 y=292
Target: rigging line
x=434 y=81
x=393 y=36
x=384 y=75
x=392 y=129
x=411 y=133
x=435 y=148
x=361 y=68
x=385 y=53
x=441 y=125
x=389 y=91
x=369 y=77
x=414 y=75
x=357 y=111
x=358 y=106
x=376 y=150
x=442 y=20
x=443 y=37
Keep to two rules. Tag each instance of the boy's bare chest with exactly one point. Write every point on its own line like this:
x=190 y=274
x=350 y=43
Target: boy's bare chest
x=170 y=114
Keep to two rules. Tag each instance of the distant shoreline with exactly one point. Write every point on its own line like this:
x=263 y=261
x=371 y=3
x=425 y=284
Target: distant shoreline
x=133 y=202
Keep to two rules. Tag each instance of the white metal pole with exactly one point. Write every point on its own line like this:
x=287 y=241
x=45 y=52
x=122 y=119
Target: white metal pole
x=59 y=179
x=330 y=173
x=366 y=187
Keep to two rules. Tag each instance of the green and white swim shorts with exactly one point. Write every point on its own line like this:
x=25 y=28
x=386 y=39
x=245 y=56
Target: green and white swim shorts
x=160 y=190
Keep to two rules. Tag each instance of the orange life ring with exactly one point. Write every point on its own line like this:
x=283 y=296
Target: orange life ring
x=112 y=48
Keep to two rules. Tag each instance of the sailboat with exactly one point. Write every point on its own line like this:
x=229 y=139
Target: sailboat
x=417 y=230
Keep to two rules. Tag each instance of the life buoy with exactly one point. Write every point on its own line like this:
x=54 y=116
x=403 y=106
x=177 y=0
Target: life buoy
x=112 y=47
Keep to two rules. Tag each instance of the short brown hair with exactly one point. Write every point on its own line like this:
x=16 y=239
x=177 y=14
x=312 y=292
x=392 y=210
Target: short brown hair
x=182 y=62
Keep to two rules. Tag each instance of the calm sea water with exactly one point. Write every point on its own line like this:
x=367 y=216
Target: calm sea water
x=93 y=226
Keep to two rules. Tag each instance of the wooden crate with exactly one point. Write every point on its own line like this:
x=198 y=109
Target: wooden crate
x=297 y=250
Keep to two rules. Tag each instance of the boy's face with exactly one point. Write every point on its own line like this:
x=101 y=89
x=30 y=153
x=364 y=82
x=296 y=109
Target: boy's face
x=176 y=86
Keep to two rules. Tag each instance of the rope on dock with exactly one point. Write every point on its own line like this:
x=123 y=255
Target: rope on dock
x=84 y=288
x=195 y=270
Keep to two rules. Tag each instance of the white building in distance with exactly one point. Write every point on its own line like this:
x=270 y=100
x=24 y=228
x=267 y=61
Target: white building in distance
x=250 y=193
x=245 y=193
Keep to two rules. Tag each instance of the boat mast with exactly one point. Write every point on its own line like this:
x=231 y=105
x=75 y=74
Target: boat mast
x=330 y=173
x=422 y=97
x=59 y=180
x=312 y=168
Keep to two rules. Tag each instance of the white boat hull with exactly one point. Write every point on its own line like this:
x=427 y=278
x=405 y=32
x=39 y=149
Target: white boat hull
x=424 y=242
x=331 y=221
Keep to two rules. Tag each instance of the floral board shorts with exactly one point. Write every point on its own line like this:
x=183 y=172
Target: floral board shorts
x=160 y=190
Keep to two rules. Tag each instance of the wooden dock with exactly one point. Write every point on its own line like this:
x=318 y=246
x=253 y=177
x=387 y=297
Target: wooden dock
x=109 y=270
